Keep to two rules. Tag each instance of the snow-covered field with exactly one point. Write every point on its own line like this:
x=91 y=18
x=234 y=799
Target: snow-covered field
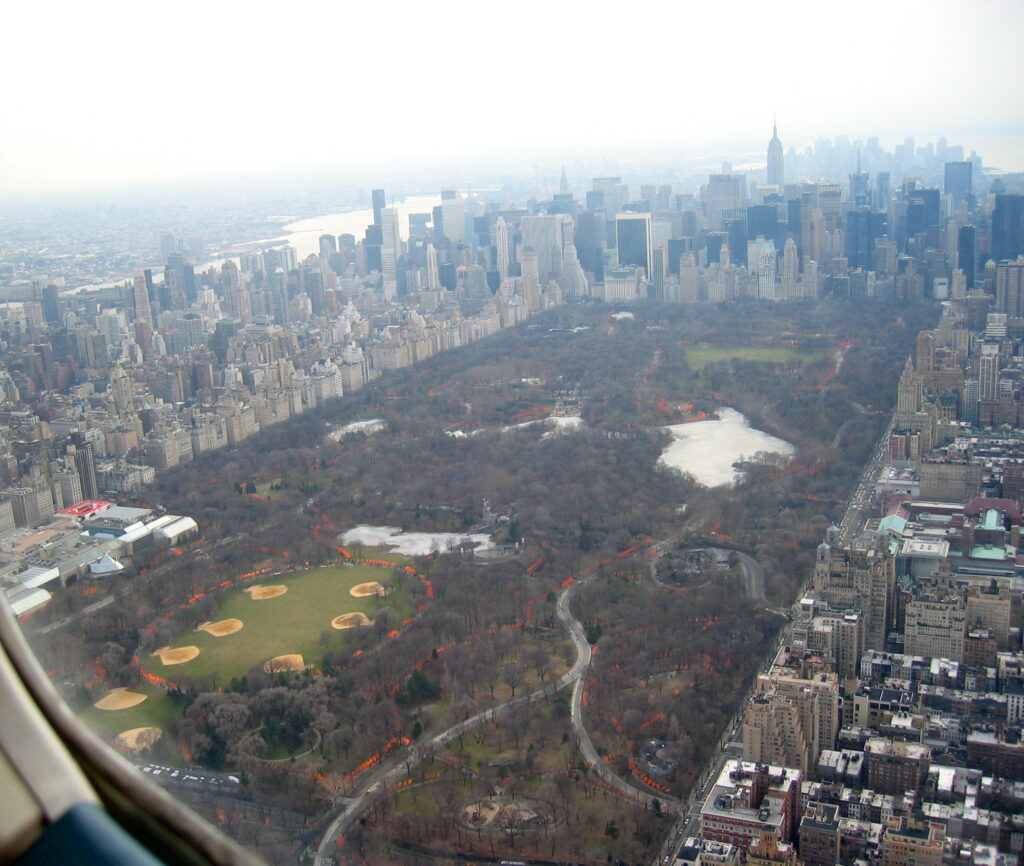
x=374 y=425
x=412 y=543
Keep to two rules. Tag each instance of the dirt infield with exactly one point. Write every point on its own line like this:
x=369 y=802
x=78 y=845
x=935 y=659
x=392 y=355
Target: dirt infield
x=260 y=593
x=284 y=664
x=362 y=590
x=177 y=655
x=119 y=699
x=138 y=739
x=351 y=620
x=222 y=628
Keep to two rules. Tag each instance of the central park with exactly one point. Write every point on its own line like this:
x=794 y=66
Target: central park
x=556 y=695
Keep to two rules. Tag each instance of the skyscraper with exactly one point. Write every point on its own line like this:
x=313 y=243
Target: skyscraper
x=1008 y=226
x=379 y=202
x=790 y=269
x=613 y=194
x=51 y=305
x=864 y=227
x=85 y=464
x=860 y=192
x=776 y=173
x=1010 y=288
x=958 y=180
x=502 y=247
x=633 y=239
x=433 y=274
x=140 y=297
x=168 y=244
x=766 y=270
x=988 y=372
x=530 y=278
x=453 y=215
x=372 y=247
x=328 y=245
x=391 y=243
x=967 y=253
x=541 y=233
x=724 y=197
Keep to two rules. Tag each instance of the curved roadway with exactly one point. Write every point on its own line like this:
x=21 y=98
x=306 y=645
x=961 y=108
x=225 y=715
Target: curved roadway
x=387 y=775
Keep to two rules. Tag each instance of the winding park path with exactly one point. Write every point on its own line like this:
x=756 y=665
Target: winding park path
x=378 y=782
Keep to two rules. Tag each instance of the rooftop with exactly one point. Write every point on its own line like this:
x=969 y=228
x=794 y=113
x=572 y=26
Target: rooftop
x=991 y=552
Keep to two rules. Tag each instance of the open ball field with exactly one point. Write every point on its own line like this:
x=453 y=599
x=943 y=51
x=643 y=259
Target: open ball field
x=286 y=623
x=155 y=710
x=700 y=356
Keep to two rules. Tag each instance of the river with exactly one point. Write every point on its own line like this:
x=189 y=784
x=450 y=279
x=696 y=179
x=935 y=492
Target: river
x=304 y=235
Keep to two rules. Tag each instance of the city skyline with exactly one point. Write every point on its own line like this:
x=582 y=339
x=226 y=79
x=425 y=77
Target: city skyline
x=206 y=93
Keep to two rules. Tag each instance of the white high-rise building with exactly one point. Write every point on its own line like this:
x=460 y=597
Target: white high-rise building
x=539 y=235
x=574 y=280
x=689 y=279
x=790 y=269
x=391 y=243
x=530 y=278
x=140 y=293
x=724 y=196
x=766 y=271
x=988 y=371
x=503 y=247
x=453 y=215
x=810 y=280
x=433 y=274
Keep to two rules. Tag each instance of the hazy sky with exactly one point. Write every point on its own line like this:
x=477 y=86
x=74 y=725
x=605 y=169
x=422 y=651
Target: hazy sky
x=112 y=93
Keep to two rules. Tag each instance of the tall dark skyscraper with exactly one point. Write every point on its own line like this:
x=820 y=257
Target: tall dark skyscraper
x=372 y=247
x=85 y=465
x=776 y=173
x=633 y=239
x=763 y=221
x=379 y=203
x=715 y=241
x=863 y=227
x=967 y=252
x=1008 y=226
x=51 y=305
x=589 y=239
x=958 y=180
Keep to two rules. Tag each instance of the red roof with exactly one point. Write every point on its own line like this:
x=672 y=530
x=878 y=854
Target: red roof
x=86 y=508
x=976 y=506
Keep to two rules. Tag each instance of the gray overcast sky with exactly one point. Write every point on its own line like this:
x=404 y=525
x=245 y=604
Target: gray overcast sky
x=110 y=93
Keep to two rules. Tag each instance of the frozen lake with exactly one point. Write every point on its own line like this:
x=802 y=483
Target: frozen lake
x=412 y=543
x=708 y=449
x=374 y=425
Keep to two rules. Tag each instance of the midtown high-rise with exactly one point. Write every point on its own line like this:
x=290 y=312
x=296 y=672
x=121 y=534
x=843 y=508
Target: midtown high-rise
x=776 y=165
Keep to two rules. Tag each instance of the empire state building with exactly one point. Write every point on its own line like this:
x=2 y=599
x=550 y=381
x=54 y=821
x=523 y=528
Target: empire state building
x=775 y=166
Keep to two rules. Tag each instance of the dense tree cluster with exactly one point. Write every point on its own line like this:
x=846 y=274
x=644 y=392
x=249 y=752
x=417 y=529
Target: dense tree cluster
x=452 y=438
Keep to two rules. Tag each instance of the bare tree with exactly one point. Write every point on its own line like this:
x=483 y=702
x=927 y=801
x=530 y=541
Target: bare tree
x=513 y=674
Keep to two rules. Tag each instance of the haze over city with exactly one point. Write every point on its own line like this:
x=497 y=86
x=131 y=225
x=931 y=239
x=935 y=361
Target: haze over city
x=121 y=93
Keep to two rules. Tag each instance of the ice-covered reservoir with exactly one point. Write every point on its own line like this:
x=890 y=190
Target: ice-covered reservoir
x=708 y=449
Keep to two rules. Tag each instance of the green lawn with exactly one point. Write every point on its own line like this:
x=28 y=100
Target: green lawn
x=290 y=623
x=698 y=357
x=265 y=488
x=155 y=711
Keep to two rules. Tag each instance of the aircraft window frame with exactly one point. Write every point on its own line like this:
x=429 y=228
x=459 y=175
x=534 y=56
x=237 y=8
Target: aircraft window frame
x=89 y=770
